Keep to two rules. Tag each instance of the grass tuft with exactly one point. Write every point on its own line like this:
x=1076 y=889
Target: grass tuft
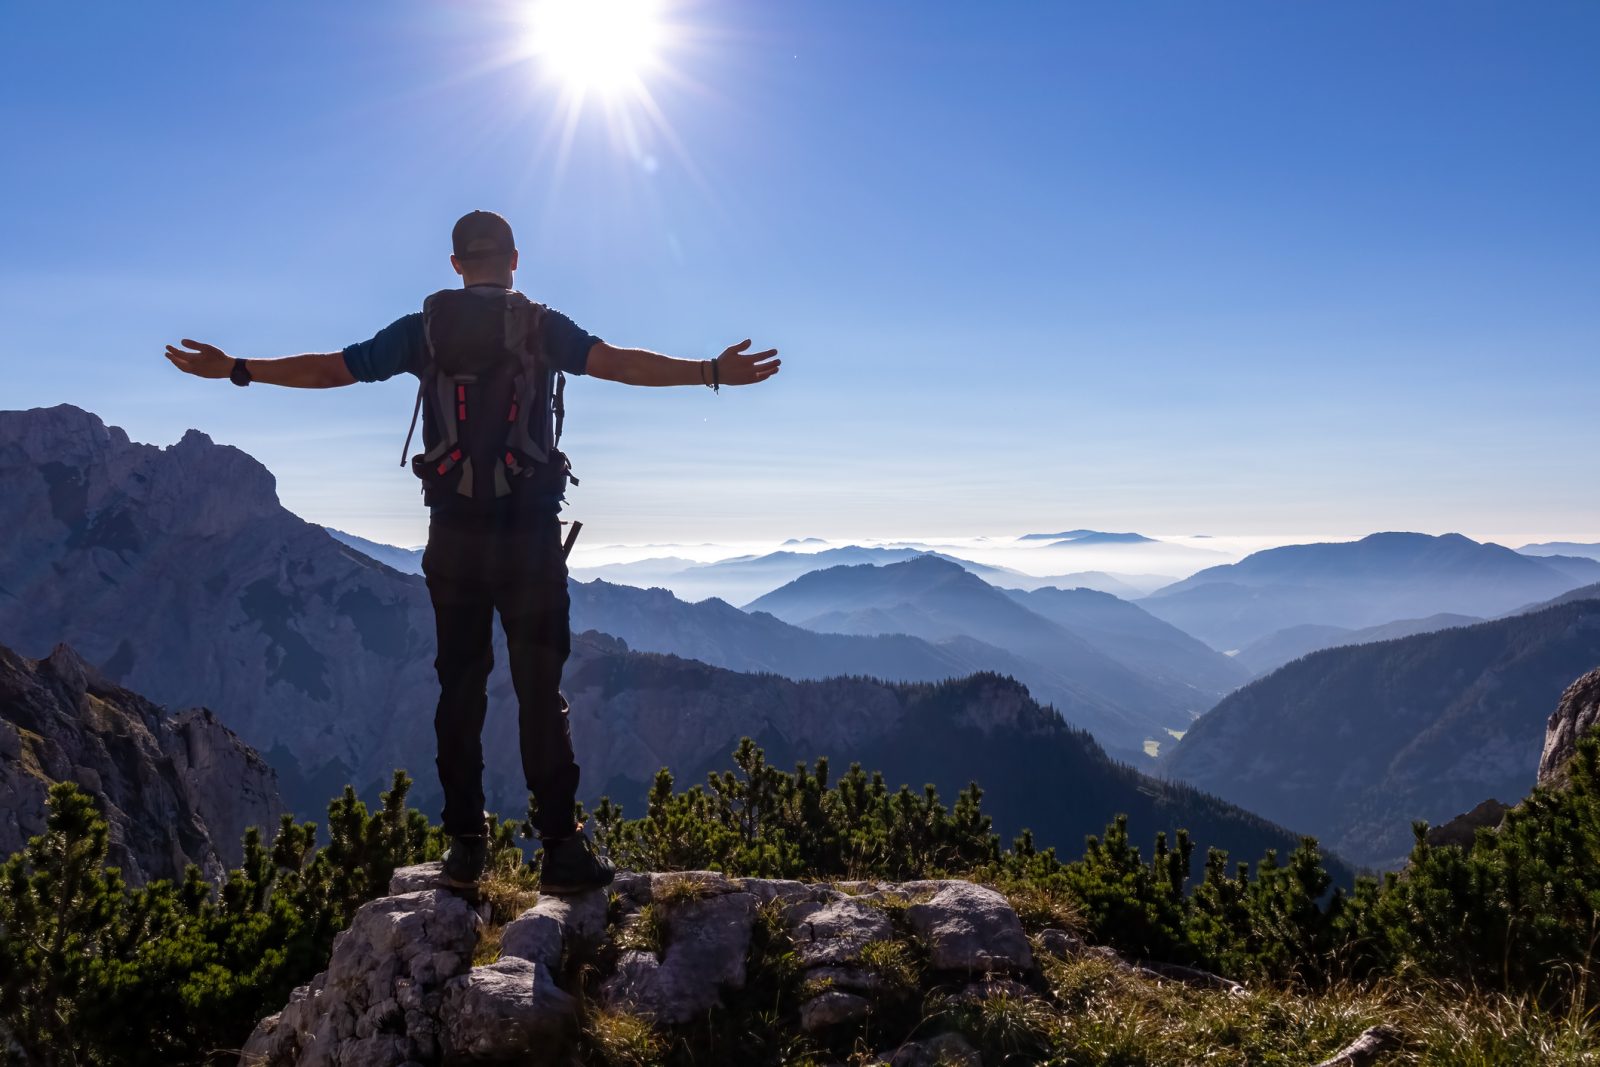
x=619 y=1039
x=647 y=932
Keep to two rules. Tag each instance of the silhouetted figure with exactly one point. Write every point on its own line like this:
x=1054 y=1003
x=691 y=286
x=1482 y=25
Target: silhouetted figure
x=491 y=366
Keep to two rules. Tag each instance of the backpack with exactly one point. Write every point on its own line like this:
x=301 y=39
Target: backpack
x=492 y=404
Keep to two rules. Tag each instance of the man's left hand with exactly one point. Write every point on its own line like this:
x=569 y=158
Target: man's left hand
x=737 y=367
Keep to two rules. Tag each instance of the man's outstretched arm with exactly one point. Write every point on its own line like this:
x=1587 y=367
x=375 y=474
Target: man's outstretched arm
x=314 y=370
x=636 y=366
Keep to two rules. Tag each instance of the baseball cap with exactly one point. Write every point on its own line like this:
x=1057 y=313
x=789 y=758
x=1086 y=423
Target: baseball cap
x=480 y=235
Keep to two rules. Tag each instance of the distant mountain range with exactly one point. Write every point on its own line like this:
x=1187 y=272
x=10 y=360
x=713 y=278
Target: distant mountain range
x=742 y=579
x=177 y=572
x=1357 y=584
x=1135 y=638
x=1276 y=649
x=1354 y=743
x=1562 y=548
x=715 y=632
x=1089 y=537
x=1105 y=664
x=404 y=560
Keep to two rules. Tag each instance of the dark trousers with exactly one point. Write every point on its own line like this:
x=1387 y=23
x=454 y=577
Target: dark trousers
x=473 y=571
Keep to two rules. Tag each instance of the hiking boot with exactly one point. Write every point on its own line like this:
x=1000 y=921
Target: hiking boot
x=571 y=866
x=464 y=860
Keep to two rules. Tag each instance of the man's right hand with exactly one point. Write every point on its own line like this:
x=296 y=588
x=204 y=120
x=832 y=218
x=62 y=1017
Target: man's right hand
x=201 y=360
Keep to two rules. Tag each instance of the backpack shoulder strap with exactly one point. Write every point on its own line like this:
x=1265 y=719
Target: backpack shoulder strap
x=429 y=370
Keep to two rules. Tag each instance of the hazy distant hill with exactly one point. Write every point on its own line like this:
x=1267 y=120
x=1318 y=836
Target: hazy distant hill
x=688 y=582
x=742 y=579
x=1587 y=592
x=177 y=571
x=1362 y=583
x=1578 y=568
x=1354 y=743
x=1132 y=636
x=1276 y=649
x=1089 y=537
x=654 y=572
x=715 y=632
x=937 y=600
x=406 y=560
x=1562 y=548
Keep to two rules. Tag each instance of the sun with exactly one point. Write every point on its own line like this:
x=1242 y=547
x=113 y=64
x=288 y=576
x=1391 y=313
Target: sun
x=600 y=46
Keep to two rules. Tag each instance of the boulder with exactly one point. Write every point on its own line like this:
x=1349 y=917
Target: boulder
x=1577 y=712
x=854 y=979
x=707 y=942
x=415 y=879
x=831 y=1009
x=379 y=1001
x=510 y=1011
x=970 y=928
x=836 y=932
x=556 y=926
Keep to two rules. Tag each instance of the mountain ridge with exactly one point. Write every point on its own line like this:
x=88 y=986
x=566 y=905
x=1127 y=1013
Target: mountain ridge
x=321 y=657
x=1369 y=582
x=176 y=789
x=1353 y=743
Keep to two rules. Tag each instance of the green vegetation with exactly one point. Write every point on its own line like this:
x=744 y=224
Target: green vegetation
x=1478 y=956
x=95 y=972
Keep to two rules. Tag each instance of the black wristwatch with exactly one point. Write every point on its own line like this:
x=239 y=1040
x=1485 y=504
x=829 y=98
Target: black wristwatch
x=240 y=374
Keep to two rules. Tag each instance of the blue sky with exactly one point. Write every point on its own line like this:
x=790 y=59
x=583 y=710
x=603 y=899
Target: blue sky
x=1245 y=268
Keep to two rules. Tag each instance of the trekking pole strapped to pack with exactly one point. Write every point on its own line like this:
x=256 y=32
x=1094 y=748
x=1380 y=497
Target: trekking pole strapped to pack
x=491 y=403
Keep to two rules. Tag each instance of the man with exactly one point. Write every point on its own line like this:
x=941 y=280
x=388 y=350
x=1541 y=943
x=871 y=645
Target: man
x=493 y=484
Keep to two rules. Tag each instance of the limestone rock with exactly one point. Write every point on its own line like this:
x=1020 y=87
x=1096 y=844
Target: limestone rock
x=970 y=928
x=832 y=1008
x=555 y=926
x=854 y=979
x=707 y=942
x=510 y=1011
x=836 y=932
x=379 y=1002
x=1576 y=713
x=787 y=891
x=419 y=878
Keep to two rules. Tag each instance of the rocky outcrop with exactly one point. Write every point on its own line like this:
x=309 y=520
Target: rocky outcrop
x=401 y=987
x=175 y=789
x=1576 y=714
x=1462 y=830
x=970 y=928
x=383 y=998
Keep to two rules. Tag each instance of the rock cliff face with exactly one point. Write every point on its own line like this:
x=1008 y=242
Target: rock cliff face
x=176 y=571
x=1576 y=714
x=401 y=987
x=176 y=789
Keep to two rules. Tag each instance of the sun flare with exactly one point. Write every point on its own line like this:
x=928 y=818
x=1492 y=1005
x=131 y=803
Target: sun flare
x=603 y=46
